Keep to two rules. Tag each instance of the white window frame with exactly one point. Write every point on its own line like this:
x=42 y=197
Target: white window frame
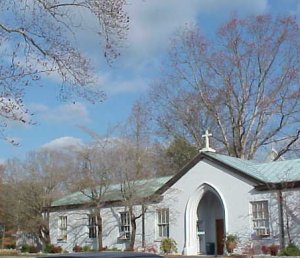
x=62 y=228
x=124 y=225
x=163 y=222
x=260 y=218
x=92 y=226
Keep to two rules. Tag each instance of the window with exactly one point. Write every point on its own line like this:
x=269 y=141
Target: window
x=163 y=222
x=124 y=225
x=92 y=226
x=260 y=218
x=62 y=228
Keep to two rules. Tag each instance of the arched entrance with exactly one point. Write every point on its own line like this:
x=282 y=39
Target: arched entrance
x=204 y=222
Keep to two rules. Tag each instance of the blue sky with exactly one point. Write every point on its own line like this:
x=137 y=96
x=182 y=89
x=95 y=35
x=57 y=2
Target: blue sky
x=152 y=23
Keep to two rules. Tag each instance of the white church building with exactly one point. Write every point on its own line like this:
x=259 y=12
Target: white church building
x=212 y=196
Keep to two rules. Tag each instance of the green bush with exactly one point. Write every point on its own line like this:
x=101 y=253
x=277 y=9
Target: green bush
x=86 y=248
x=231 y=241
x=168 y=245
x=52 y=249
x=231 y=238
x=29 y=249
x=290 y=250
x=25 y=248
x=48 y=248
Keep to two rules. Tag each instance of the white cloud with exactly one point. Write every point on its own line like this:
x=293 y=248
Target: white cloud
x=66 y=142
x=71 y=113
x=38 y=107
x=73 y=143
x=152 y=24
x=135 y=85
x=112 y=86
x=154 y=21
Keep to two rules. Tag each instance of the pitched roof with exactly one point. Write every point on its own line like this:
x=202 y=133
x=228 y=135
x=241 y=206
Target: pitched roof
x=263 y=176
x=260 y=174
x=146 y=187
x=268 y=172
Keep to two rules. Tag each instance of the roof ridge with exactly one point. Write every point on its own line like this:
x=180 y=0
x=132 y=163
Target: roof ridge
x=77 y=197
x=269 y=172
x=279 y=161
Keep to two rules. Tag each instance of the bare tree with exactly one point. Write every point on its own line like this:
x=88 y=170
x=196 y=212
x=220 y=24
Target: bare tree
x=32 y=185
x=126 y=160
x=39 y=38
x=94 y=180
x=243 y=84
x=133 y=164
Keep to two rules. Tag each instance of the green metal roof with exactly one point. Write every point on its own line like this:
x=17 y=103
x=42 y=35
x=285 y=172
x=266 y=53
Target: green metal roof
x=145 y=188
x=269 y=172
x=280 y=171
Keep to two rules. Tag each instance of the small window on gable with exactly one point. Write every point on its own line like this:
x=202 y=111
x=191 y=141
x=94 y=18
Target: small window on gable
x=62 y=228
x=163 y=222
x=92 y=226
x=260 y=218
x=124 y=225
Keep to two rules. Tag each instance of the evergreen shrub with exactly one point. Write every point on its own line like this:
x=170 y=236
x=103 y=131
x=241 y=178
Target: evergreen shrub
x=52 y=249
x=290 y=250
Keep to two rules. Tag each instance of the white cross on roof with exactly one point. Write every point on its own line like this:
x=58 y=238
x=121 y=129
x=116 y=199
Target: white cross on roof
x=207 y=148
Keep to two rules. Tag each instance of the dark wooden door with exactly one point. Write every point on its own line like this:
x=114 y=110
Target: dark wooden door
x=220 y=236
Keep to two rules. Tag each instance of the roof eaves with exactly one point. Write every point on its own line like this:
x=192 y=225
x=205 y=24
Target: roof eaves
x=178 y=175
x=238 y=171
x=144 y=200
x=81 y=202
x=203 y=155
x=278 y=186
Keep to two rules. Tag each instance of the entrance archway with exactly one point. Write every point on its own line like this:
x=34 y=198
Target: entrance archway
x=205 y=218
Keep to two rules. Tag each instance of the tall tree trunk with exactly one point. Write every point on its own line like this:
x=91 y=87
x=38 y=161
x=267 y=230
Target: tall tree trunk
x=281 y=219
x=143 y=226
x=43 y=234
x=99 y=231
x=133 y=230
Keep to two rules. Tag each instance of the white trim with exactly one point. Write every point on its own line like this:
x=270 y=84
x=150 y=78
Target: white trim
x=191 y=238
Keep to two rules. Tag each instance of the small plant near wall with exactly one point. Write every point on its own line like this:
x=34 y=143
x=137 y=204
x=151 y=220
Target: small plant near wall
x=52 y=249
x=77 y=249
x=29 y=249
x=290 y=250
x=87 y=248
x=231 y=241
x=168 y=245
